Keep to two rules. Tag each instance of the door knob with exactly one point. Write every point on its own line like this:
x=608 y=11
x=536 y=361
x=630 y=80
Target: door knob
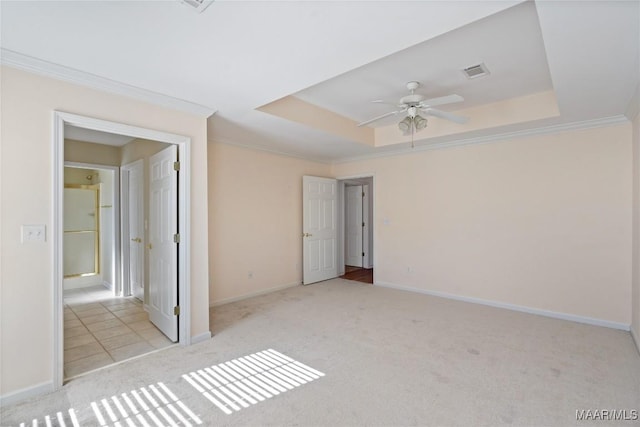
x=137 y=240
x=307 y=234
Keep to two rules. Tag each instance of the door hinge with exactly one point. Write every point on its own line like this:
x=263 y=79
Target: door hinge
x=363 y=224
x=176 y=166
x=176 y=310
x=176 y=238
x=362 y=253
x=363 y=194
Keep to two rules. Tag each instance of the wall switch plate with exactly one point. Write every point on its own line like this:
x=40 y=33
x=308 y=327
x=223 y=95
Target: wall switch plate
x=34 y=233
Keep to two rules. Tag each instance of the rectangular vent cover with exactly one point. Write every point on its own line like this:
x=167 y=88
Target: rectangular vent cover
x=476 y=71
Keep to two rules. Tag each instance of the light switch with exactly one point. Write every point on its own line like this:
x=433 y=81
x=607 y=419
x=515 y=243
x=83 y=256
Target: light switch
x=34 y=233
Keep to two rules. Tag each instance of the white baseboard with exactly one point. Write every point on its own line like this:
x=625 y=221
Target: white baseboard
x=26 y=393
x=523 y=309
x=107 y=285
x=201 y=337
x=252 y=294
x=636 y=338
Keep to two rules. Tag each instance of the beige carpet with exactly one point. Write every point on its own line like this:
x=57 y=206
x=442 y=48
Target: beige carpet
x=389 y=358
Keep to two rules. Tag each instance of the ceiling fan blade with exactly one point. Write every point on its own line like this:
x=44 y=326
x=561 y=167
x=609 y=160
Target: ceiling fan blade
x=380 y=101
x=379 y=117
x=449 y=99
x=445 y=115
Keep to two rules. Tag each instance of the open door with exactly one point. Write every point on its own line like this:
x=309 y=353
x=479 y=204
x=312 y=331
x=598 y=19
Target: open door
x=319 y=229
x=132 y=180
x=354 y=226
x=163 y=242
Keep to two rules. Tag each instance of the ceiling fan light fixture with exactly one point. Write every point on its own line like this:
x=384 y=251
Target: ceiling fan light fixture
x=419 y=122
x=405 y=125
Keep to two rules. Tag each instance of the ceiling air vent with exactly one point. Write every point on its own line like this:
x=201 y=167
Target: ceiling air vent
x=197 y=5
x=476 y=71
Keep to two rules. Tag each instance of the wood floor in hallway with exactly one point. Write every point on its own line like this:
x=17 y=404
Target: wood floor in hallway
x=359 y=274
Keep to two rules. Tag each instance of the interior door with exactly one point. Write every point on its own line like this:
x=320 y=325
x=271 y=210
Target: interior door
x=163 y=246
x=319 y=229
x=135 y=204
x=354 y=226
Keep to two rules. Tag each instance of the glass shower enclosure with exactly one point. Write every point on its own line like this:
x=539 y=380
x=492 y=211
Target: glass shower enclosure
x=81 y=230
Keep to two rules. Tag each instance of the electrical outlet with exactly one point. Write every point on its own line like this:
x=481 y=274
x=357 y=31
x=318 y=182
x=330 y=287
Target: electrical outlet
x=34 y=233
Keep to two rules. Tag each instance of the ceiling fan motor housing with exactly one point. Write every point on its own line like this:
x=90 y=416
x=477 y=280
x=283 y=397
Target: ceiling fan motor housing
x=414 y=98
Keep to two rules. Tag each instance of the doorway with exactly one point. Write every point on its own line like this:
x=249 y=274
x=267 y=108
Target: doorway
x=324 y=232
x=101 y=314
x=356 y=228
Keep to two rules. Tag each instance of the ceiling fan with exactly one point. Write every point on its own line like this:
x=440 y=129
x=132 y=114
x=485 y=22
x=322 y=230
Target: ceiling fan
x=414 y=103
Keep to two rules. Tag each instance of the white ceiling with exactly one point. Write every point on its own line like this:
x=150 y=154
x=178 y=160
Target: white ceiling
x=237 y=56
x=509 y=43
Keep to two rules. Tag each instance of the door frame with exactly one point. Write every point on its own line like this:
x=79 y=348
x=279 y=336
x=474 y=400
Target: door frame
x=360 y=225
x=341 y=221
x=60 y=119
x=115 y=224
x=124 y=231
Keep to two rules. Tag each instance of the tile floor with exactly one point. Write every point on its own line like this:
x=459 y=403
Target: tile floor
x=100 y=329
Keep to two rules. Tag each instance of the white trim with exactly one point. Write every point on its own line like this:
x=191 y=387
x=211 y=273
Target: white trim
x=57 y=228
x=201 y=337
x=252 y=294
x=26 y=393
x=366 y=219
x=405 y=150
x=513 y=307
x=124 y=232
x=82 y=78
x=60 y=119
x=587 y=124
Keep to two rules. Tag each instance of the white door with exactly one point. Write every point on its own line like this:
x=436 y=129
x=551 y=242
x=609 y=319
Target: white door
x=163 y=249
x=353 y=226
x=319 y=230
x=135 y=226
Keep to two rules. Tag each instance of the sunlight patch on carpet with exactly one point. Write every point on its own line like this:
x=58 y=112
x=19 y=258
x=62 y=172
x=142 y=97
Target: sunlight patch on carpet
x=62 y=419
x=245 y=381
x=150 y=406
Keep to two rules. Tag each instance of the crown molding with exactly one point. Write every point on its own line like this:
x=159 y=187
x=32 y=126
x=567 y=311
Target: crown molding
x=71 y=75
x=565 y=127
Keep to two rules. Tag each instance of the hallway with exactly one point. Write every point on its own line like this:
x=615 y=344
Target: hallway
x=359 y=274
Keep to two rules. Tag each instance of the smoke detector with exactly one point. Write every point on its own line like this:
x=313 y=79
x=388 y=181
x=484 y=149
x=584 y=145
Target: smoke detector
x=197 y=5
x=476 y=71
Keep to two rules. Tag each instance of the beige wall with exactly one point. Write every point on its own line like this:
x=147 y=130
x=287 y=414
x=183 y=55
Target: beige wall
x=542 y=222
x=86 y=152
x=80 y=176
x=28 y=102
x=635 y=292
x=255 y=208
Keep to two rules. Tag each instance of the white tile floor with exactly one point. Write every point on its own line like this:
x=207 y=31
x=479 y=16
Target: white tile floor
x=100 y=329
